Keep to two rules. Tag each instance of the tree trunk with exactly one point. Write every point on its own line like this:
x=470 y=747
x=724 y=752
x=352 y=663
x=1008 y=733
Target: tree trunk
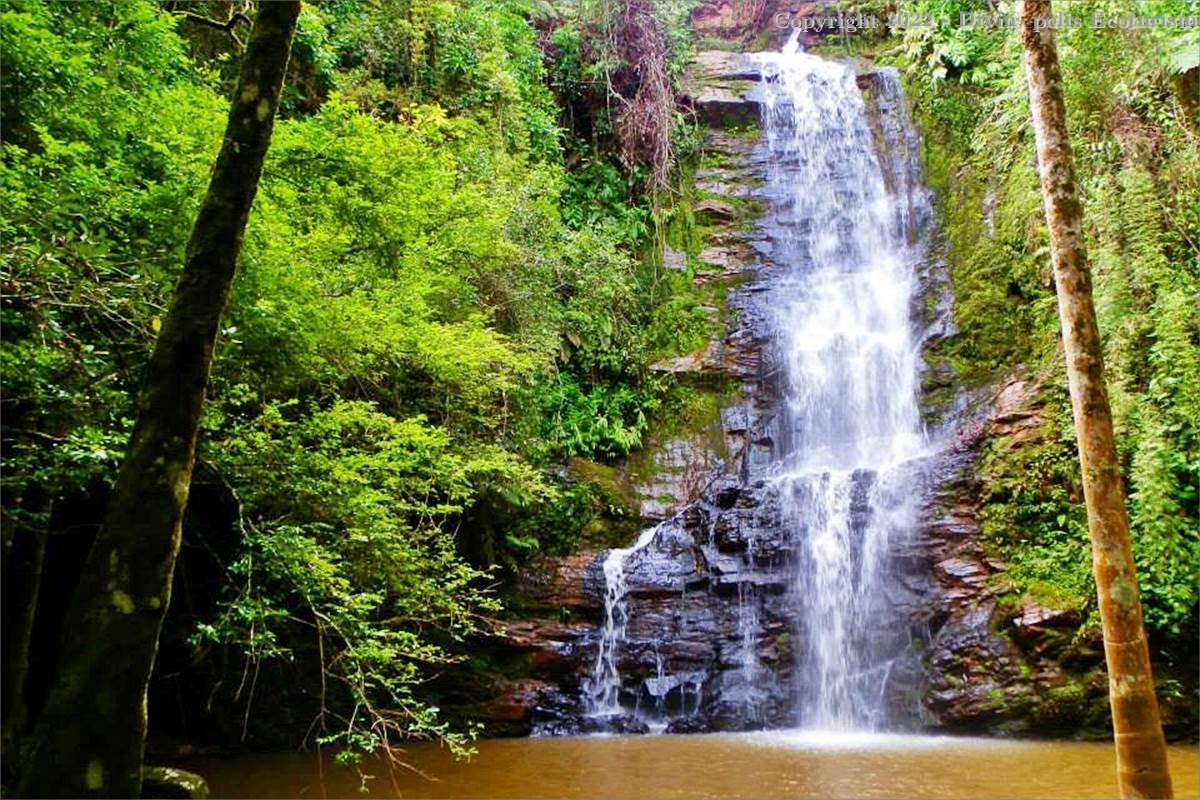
x=1141 y=750
x=22 y=576
x=90 y=738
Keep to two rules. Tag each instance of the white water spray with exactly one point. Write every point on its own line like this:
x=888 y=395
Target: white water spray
x=844 y=326
x=842 y=230
x=602 y=689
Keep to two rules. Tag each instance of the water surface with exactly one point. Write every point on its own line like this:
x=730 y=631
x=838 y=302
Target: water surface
x=790 y=765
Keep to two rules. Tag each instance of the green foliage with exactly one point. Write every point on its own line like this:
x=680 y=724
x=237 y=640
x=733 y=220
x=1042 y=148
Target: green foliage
x=473 y=56
x=597 y=191
x=350 y=545
x=429 y=310
x=605 y=421
x=966 y=54
x=1147 y=301
x=90 y=232
x=559 y=526
x=1140 y=174
x=1033 y=513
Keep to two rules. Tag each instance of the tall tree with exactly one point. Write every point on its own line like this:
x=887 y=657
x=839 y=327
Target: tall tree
x=1141 y=749
x=90 y=738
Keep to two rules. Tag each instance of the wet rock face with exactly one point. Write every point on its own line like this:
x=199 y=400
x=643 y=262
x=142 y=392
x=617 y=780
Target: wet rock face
x=710 y=640
x=566 y=583
x=722 y=88
x=679 y=467
x=686 y=660
x=992 y=664
x=707 y=644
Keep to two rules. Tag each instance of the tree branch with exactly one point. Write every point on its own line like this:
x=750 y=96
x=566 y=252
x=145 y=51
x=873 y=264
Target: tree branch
x=229 y=25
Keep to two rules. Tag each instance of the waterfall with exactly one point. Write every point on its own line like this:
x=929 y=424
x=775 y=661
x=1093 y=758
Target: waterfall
x=602 y=688
x=775 y=598
x=844 y=328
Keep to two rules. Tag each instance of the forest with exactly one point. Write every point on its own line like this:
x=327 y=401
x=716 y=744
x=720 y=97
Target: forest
x=428 y=435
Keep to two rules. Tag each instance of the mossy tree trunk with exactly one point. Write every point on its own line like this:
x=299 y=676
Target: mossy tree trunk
x=1141 y=749
x=90 y=738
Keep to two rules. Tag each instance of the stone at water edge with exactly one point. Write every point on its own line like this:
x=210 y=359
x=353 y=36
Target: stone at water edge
x=169 y=782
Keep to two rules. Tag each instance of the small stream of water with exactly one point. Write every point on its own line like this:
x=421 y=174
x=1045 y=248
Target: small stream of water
x=602 y=688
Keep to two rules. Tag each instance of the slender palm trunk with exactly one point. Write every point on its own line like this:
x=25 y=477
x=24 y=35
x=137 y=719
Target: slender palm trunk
x=1141 y=749
x=90 y=738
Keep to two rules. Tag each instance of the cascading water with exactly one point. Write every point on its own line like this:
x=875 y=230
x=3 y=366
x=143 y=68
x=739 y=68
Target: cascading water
x=603 y=687
x=845 y=331
x=772 y=600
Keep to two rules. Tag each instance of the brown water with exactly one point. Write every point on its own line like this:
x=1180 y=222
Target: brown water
x=787 y=765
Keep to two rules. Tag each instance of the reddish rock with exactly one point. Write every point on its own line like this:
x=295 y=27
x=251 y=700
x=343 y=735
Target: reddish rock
x=957 y=525
x=514 y=701
x=1033 y=620
x=753 y=21
x=741 y=355
x=537 y=633
x=1014 y=396
x=1017 y=417
x=961 y=570
x=730 y=20
x=561 y=583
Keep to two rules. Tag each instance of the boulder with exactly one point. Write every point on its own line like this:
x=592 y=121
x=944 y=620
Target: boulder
x=169 y=782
